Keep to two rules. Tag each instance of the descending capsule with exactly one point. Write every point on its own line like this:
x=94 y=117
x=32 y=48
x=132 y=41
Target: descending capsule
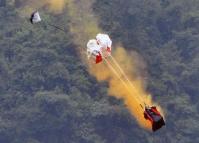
x=154 y=116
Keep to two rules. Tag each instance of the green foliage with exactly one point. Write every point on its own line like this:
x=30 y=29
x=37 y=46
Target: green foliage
x=47 y=95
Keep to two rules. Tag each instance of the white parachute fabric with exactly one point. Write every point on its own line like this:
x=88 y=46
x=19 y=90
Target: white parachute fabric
x=35 y=17
x=99 y=48
x=104 y=41
x=93 y=48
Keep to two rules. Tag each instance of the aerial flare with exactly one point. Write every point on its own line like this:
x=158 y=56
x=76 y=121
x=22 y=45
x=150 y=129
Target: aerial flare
x=99 y=48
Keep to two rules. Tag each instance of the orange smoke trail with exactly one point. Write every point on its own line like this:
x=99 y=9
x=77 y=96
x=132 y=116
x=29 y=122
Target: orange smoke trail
x=130 y=95
x=84 y=26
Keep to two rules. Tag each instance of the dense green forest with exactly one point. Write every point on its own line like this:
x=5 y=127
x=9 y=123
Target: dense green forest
x=48 y=96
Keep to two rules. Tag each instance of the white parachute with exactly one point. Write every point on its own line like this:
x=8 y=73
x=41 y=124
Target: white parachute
x=104 y=41
x=35 y=17
x=94 y=50
x=99 y=48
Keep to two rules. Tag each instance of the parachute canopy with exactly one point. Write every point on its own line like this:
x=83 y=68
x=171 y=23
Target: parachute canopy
x=35 y=17
x=94 y=50
x=99 y=48
x=104 y=41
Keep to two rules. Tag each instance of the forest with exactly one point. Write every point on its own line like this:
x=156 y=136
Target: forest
x=48 y=96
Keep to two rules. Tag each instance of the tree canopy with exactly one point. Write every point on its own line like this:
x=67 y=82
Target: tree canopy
x=48 y=96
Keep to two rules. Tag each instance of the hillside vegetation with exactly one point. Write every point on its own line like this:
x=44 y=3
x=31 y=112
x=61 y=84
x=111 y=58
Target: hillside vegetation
x=47 y=95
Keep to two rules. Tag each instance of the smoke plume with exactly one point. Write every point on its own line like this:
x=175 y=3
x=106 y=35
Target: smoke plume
x=84 y=26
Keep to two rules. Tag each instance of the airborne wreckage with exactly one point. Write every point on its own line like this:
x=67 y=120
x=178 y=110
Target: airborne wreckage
x=99 y=49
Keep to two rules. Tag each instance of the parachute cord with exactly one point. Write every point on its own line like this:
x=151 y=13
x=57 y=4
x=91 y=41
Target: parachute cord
x=56 y=27
x=122 y=72
x=82 y=52
x=115 y=72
